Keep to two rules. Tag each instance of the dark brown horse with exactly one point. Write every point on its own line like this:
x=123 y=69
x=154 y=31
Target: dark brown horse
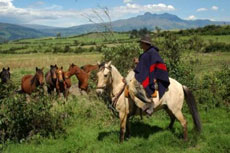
x=5 y=75
x=62 y=85
x=31 y=82
x=88 y=68
x=81 y=75
x=51 y=78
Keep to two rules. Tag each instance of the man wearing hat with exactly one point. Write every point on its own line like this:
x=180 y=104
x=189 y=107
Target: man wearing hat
x=151 y=77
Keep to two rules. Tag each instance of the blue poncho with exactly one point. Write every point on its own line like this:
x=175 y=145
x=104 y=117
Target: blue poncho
x=150 y=67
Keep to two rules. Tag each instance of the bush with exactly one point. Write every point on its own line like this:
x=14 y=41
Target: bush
x=217 y=46
x=214 y=89
x=21 y=118
x=122 y=56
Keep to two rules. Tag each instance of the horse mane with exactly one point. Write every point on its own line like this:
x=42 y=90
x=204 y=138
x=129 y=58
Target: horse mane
x=114 y=69
x=34 y=77
x=33 y=80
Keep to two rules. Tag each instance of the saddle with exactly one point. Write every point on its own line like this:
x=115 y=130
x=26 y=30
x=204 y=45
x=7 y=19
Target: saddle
x=154 y=95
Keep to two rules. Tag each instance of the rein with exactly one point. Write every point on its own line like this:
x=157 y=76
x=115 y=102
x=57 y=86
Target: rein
x=114 y=101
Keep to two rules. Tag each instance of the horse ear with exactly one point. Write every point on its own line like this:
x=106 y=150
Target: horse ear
x=8 y=69
x=3 y=69
x=55 y=65
x=61 y=67
x=109 y=63
x=36 y=68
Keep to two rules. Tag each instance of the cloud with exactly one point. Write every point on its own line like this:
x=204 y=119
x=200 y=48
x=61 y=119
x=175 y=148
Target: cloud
x=127 y=1
x=191 y=17
x=201 y=9
x=135 y=8
x=55 y=15
x=215 y=8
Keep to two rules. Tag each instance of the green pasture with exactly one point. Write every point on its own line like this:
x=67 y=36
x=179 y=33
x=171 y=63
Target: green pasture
x=93 y=127
x=95 y=130
x=216 y=38
x=22 y=64
x=204 y=63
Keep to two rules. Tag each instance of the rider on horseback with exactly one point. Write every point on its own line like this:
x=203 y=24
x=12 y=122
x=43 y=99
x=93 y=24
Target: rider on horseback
x=150 y=76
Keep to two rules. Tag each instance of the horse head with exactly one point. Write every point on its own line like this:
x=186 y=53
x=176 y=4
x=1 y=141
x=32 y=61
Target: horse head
x=53 y=72
x=74 y=69
x=5 y=75
x=59 y=73
x=40 y=76
x=104 y=77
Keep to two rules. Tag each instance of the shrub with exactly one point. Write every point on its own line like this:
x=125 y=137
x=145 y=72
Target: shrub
x=214 y=89
x=21 y=118
x=217 y=46
x=122 y=56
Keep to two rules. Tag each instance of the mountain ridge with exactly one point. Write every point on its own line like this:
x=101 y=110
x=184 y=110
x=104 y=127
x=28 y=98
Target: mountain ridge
x=148 y=20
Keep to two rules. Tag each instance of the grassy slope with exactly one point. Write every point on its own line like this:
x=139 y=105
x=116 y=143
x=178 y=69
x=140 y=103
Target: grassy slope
x=96 y=130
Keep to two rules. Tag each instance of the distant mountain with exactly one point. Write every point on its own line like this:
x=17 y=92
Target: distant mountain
x=165 y=21
x=38 y=27
x=13 y=32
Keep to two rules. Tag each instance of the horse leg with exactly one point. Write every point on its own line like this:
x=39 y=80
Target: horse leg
x=49 y=89
x=172 y=118
x=123 y=119
x=183 y=123
x=127 y=128
x=66 y=93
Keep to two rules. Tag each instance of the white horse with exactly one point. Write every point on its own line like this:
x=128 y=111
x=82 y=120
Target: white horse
x=172 y=101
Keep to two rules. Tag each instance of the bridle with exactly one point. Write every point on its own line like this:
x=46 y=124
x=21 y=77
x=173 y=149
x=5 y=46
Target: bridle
x=117 y=96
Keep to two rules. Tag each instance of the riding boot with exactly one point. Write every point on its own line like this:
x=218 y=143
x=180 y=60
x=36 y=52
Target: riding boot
x=148 y=108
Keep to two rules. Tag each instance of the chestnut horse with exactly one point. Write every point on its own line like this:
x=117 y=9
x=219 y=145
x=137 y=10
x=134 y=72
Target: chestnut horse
x=5 y=75
x=88 y=68
x=81 y=75
x=30 y=83
x=51 y=78
x=172 y=101
x=63 y=82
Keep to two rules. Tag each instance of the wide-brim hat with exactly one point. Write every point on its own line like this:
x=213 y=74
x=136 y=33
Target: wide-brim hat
x=146 y=39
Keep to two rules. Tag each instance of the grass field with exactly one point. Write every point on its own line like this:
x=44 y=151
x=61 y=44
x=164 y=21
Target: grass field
x=22 y=64
x=94 y=129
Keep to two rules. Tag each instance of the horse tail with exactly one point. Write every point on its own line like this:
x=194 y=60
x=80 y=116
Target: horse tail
x=193 y=108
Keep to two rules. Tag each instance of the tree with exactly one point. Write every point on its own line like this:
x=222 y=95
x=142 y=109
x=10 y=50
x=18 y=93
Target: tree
x=134 y=33
x=58 y=35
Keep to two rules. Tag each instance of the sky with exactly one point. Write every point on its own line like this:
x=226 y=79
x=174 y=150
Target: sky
x=67 y=13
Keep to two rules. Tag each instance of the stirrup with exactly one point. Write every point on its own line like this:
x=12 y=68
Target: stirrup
x=154 y=95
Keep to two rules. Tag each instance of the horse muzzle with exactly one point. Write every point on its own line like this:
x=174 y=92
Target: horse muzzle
x=100 y=90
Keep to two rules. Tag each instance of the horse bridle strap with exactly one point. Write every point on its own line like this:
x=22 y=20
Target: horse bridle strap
x=114 y=101
x=100 y=87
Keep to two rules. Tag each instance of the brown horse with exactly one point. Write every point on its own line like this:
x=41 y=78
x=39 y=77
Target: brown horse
x=88 y=68
x=30 y=83
x=67 y=79
x=62 y=85
x=51 y=78
x=81 y=75
x=5 y=75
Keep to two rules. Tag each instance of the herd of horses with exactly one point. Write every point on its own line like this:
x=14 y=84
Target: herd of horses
x=55 y=78
x=108 y=77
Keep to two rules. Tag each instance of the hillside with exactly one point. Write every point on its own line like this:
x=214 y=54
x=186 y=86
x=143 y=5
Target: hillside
x=13 y=32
